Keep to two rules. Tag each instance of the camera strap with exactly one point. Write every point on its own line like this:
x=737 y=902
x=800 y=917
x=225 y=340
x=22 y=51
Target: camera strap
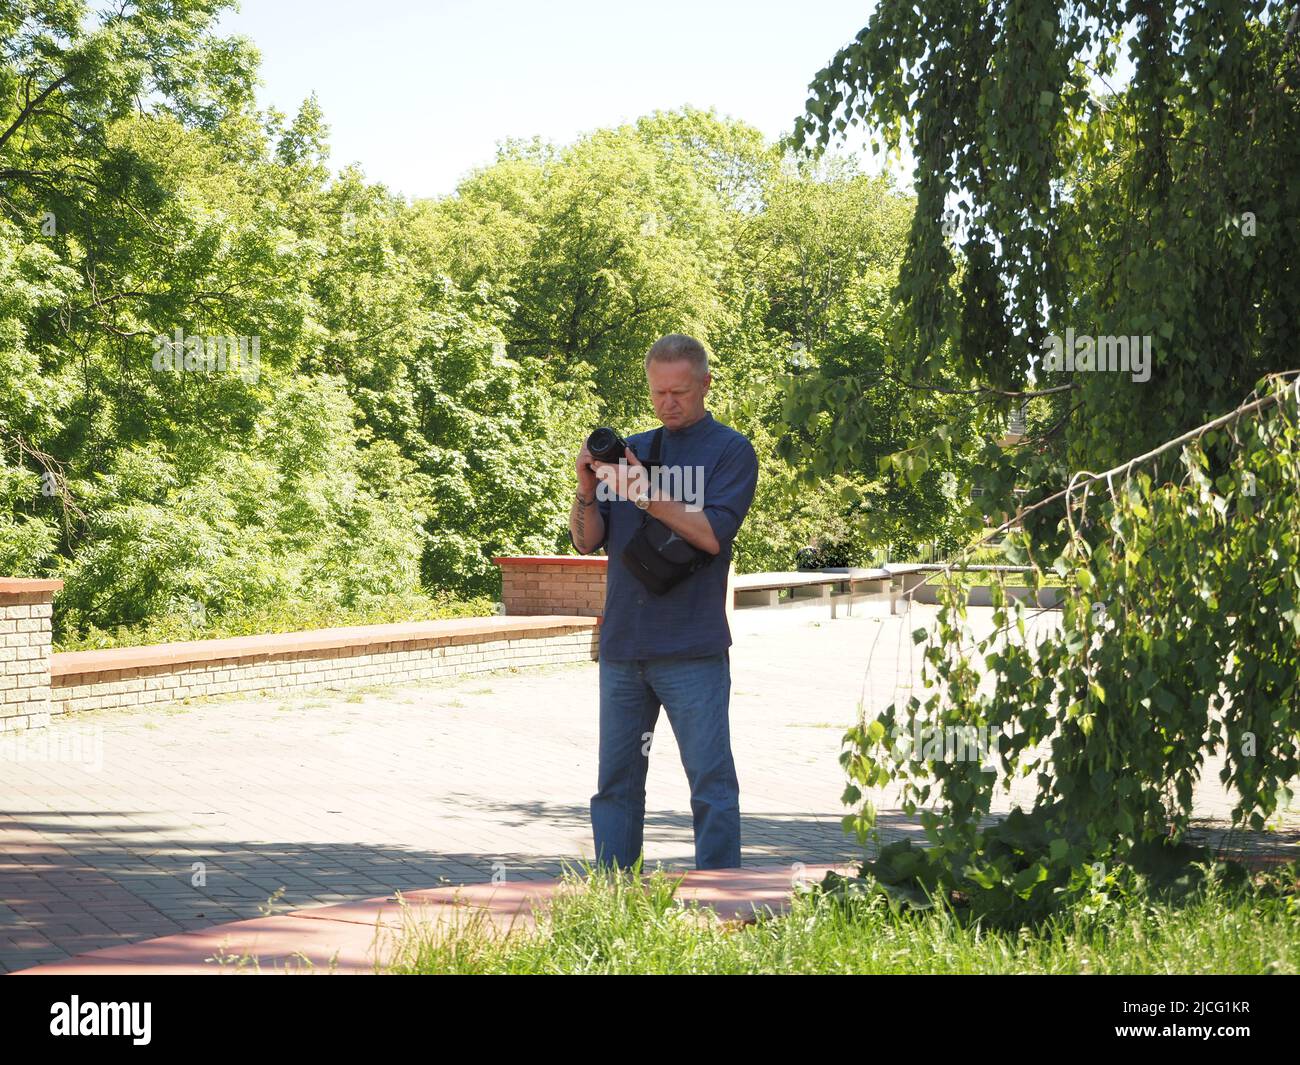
x=652 y=463
x=655 y=443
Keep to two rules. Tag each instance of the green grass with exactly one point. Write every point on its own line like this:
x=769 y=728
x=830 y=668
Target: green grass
x=610 y=927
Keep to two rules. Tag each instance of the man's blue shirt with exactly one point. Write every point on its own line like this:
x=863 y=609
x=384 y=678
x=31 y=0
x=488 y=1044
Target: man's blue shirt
x=690 y=620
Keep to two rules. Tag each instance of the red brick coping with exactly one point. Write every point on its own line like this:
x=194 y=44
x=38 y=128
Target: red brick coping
x=448 y=630
x=25 y=586
x=580 y=561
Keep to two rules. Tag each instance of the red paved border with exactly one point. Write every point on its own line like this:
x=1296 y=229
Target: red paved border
x=347 y=938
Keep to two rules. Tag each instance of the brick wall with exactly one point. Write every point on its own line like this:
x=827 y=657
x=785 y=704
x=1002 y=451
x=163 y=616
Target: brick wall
x=566 y=584
x=125 y=677
x=25 y=652
x=553 y=584
x=34 y=684
x=561 y=596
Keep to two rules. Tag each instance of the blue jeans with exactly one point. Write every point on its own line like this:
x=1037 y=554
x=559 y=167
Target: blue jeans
x=696 y=693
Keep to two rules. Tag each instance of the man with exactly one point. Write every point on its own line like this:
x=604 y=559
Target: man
x=673 y=649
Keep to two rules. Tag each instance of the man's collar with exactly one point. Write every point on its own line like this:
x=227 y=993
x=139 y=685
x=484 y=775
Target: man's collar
x=690 y=430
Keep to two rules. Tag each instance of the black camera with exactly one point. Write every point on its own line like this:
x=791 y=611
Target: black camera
x=606 y=445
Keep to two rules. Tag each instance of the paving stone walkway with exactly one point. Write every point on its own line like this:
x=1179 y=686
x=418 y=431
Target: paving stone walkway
x=120 y=826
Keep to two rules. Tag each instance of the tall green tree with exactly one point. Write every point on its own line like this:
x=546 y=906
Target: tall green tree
x=1054 y=194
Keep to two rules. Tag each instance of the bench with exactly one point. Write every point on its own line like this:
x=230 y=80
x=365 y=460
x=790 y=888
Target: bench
x=832 y=585
x=827 y=585
x=911 y=579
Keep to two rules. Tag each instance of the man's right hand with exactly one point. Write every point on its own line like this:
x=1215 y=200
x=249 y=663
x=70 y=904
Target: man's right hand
x=587 y=480
x=586 y=525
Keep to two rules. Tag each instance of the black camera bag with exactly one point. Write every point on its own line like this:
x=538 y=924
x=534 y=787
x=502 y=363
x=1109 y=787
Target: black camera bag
x=657 y=556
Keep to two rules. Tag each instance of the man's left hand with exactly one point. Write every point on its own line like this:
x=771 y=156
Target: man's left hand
x=624 y=480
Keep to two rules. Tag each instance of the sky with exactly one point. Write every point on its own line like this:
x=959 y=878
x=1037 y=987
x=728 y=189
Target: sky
x=419 y=93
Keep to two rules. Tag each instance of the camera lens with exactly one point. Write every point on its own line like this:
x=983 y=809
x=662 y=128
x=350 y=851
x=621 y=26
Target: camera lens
x=605 y=445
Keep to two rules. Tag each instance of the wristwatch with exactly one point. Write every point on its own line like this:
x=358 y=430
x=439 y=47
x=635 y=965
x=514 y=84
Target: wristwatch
x=642 y=501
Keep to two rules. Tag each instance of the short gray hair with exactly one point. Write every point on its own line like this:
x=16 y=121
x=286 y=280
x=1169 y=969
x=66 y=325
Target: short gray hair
x=675 y=346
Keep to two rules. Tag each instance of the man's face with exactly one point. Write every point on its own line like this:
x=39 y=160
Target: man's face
x=677 y=394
